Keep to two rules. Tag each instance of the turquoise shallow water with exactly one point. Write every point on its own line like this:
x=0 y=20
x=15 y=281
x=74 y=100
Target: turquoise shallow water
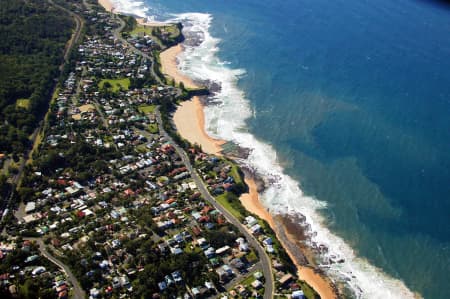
x=355 y=98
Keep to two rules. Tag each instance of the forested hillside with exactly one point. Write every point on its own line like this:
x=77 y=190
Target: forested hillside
x=33 y=35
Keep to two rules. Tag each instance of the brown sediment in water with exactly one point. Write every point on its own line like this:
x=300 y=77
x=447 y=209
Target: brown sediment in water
x=292 y=235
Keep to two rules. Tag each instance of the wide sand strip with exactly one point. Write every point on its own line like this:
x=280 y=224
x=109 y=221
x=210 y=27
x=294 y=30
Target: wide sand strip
x=190 y=122
x=107 y=5
x=251 y=202
x=169 y=66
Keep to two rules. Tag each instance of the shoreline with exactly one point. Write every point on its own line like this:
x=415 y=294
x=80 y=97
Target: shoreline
x=189 y=120
x=320 y=283
x=190 y=123
x=107 y=5
x=169 y=66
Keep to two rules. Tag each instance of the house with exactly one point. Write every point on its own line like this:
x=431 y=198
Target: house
x=162 y=285
x=210 y=252
x=251 y=221
x=256 y=229
x=30 y=207
x=177 y=276
x=38 y=270
x=298 y=295
x=223 y=250
x=257 y=284
x=285 y=279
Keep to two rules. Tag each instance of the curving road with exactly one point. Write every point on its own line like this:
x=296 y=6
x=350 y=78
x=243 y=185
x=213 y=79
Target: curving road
x=264 y=258
x=78 y=292
x=118 y=35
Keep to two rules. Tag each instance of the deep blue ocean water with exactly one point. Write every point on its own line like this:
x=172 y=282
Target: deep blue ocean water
x=355 y=98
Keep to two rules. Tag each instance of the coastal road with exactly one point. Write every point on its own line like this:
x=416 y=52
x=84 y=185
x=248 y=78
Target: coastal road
x=118 y=35
x=78 y=292
x=264 y=258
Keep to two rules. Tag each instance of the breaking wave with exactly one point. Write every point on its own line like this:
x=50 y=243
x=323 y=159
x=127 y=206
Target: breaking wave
x=227 y=120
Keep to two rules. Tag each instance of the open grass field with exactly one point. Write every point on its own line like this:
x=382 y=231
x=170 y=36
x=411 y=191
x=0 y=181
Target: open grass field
x=23 y=103
x=116 y=84
x=147 y=108
x=153 y=128
x=171 y=30
x=222 y=199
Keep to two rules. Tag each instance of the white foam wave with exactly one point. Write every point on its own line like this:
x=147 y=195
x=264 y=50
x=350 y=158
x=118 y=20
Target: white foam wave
x=131 y=7
x=283 y=195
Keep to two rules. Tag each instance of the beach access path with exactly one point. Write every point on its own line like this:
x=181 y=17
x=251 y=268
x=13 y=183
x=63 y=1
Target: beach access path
x=264 y=258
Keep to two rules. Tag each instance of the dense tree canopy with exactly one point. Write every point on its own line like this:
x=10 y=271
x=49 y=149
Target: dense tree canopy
x=33 y=35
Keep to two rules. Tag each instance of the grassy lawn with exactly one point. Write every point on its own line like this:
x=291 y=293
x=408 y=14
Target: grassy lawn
x=141 y=148
x=142 y=29
x=251 y=257
x=146 y=108
x=116 y=84
x=153 y=128
x=247 y=281
x=235 y=174
x=222 y=199
x=308 y=291
x=23 y=103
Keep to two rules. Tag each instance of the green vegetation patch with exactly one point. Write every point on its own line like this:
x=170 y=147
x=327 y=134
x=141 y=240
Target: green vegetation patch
x=115 y=84
x=230 y=204
x=251 y=257
x=147 y=108
x=164 y=36
x=30 y=54
x=235 y=174
x=153 y=128
x=23 y=103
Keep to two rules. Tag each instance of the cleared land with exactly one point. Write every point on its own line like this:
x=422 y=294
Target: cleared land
x=156 y=32
x=147 y=108
x=23 y=103
x=116 y=84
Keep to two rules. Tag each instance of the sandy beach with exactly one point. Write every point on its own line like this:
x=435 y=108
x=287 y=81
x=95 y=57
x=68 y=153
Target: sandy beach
x=169 y=66
x=107 y=5
x=251 y=202
x=146 y=22
x=190 y=122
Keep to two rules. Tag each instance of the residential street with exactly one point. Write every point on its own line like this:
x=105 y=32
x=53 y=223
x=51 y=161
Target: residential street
x=264 y=258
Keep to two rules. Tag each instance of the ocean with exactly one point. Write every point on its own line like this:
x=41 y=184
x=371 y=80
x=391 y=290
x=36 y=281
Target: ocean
x=345 y=106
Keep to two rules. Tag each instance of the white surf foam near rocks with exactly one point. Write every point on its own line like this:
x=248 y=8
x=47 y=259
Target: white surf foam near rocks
x=227 y=120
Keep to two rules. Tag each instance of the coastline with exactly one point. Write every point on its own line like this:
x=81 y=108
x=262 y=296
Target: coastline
x=169 y=66
x=189 y=120
x=107 y=5
x=190 y=123
x=320 y=283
